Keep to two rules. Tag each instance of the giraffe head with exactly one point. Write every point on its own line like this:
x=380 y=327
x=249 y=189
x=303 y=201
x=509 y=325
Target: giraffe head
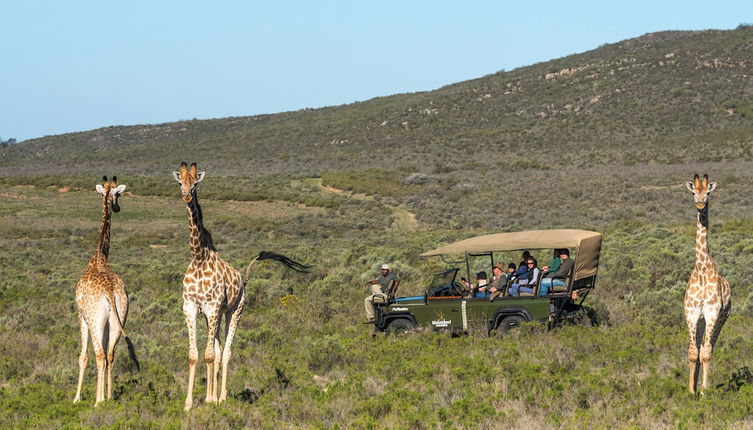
x=111 y=191
x=701 y=189
x=188 y=178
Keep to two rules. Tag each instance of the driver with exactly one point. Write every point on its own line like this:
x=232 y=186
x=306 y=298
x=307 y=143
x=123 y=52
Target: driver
x=383 y=286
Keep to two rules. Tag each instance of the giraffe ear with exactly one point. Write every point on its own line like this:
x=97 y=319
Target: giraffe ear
x=119 y=189
x=100 y=189
x=176 y=175
x=690 y=187
x=199 y=177
x=712 y=187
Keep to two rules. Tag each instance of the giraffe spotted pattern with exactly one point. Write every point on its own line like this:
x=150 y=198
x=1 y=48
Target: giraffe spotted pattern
x=211 y=287
x=708 y=293
x=101 y=300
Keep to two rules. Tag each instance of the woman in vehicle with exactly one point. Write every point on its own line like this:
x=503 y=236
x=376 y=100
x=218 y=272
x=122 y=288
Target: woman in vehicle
x=528 y=283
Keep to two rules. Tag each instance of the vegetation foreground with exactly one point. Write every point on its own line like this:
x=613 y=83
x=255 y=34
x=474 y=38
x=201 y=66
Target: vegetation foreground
x=302 y=358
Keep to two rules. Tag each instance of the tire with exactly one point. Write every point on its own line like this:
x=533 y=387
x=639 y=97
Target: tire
x=400 y=327
x=508 y=324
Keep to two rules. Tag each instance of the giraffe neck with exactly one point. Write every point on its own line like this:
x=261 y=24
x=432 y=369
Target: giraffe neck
x=200 y=238
x=702 y=256
x=103 y=243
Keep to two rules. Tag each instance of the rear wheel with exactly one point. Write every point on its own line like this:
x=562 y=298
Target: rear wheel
x=508 y=324
x=400 y=327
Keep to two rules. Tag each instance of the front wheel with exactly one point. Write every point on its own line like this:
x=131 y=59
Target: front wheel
x=400 y=327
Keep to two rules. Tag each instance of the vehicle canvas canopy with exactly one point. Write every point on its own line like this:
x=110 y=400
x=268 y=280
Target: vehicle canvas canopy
x=587 y=244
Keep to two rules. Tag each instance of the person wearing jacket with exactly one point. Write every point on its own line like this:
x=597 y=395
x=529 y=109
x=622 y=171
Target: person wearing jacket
x=555 y=264
x=557 y=278
x=527 y=281
x=501 y=279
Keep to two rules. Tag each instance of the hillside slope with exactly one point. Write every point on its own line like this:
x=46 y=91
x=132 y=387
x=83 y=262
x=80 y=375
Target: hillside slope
x=670 y=97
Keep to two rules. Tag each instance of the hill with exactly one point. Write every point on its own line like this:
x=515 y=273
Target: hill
x=639 y=111
x=668 y=98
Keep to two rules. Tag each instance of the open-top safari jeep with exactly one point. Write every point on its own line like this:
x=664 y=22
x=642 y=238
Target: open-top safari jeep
x=445 y=306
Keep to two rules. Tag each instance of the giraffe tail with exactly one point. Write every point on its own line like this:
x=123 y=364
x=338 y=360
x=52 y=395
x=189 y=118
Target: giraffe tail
x=287 y=262
x=131 y=349
x=114 y=309
x=132 y=354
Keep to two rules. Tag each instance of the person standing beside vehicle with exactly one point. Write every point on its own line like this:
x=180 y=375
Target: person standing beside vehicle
x=383 y=286
x=557 y=278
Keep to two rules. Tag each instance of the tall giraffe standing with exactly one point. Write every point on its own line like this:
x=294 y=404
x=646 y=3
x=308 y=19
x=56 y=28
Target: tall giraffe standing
x=708 y=293
x=101 y=300
x=213 y=287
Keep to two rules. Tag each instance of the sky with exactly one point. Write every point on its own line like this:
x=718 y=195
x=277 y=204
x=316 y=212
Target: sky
x=74 y=65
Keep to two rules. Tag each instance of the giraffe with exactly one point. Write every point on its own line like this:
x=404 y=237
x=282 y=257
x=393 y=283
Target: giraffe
x=708 y=293
x=212 y=287
x=102 y=300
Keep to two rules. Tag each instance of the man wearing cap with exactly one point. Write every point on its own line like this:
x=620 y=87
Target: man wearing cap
x=383 y=286
x=474 y=289
x=500 y=279
x=557 y=279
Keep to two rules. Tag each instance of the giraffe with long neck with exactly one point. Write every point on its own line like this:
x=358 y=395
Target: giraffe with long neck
x=102 y=300
x=212 y=287
x=708 y=293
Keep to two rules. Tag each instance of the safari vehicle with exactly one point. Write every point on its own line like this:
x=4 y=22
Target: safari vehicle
x=443 y=306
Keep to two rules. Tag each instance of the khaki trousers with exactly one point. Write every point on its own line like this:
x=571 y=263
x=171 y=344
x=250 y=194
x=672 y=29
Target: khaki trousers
x=376 y=290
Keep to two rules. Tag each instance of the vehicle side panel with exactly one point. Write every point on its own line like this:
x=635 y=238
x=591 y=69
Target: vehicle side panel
x=458 y=314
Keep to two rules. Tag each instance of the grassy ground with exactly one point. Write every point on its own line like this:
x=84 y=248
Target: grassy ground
x=302 y=358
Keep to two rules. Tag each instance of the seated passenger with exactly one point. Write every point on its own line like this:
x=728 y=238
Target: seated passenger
x=555 y=264
x=478 y=290
x=557 y=278
x=481 y=291
x=523 y=259
x=528 y=283
x=500 y=279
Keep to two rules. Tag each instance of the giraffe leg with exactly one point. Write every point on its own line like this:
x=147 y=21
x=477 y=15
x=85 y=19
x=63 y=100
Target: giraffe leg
x=231 y=324
x=112 y=340
x=707 y=349
x=209 y=354
x=83 y=358
x=190 y=311
x=217 y=358
x=99 y=353
x=692 y=321
x=97 y=335
x=723 y=315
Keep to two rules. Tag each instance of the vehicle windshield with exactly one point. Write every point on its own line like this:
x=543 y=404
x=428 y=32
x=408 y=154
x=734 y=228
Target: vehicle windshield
x=443 y=279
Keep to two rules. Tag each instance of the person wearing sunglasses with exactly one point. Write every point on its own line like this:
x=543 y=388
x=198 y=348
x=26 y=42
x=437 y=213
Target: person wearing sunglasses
x=526 y=284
